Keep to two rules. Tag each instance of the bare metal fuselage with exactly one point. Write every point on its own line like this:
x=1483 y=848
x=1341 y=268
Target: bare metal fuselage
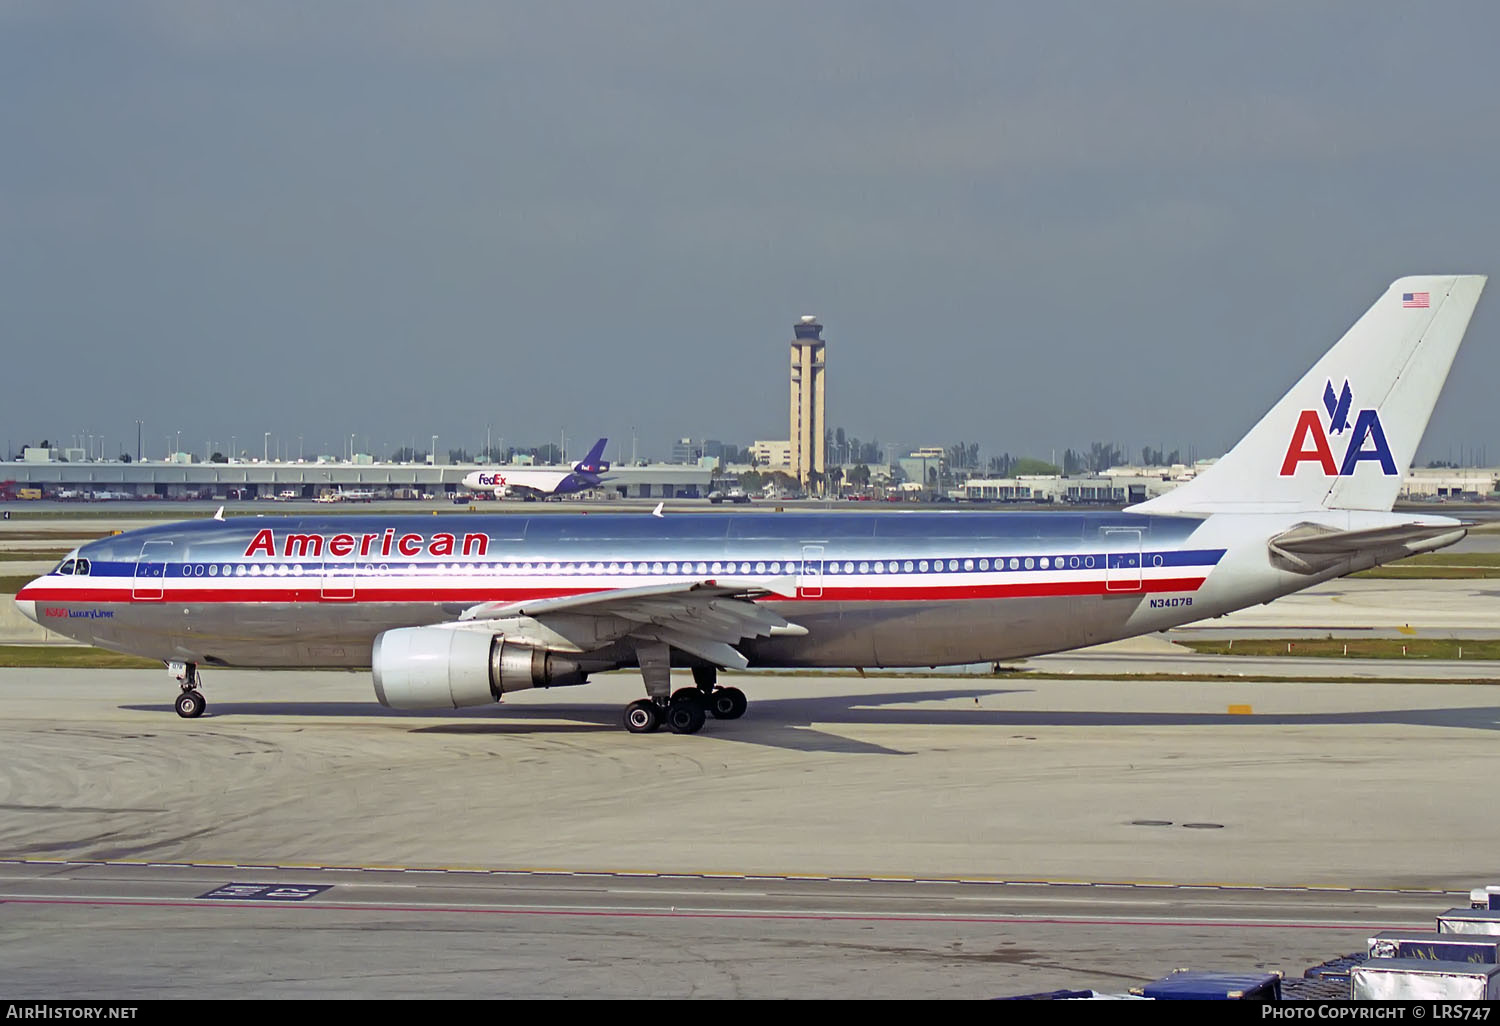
x=871 y=590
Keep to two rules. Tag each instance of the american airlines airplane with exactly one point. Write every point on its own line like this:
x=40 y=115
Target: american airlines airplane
x=459 y=611
x=586 y=473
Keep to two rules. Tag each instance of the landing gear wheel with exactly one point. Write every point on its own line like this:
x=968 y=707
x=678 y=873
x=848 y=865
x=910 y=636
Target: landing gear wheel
x=728 y=704
x=687 y=695
x=642 y=717
x=685 y=717
x=190 y=704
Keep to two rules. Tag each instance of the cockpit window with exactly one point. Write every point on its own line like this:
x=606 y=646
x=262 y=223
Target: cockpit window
x=66 y=567
x=81 y=567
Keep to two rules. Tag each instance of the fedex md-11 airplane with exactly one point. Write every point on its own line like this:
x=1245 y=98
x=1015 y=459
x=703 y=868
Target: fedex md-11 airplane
x=461 y=610
x=586 y=473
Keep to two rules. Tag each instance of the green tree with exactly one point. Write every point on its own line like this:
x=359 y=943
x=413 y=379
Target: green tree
x=784 y=482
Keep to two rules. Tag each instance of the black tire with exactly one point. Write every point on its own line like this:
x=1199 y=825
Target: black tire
x=728 y=704
x=686 y=695
x=642 y=717
x=190 y=705
x=686 y=718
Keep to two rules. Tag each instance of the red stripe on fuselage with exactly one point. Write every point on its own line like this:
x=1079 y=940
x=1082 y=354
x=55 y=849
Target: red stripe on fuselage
x=368 y=591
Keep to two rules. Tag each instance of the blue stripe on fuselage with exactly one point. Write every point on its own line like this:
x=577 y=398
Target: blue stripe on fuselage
x=573 y=539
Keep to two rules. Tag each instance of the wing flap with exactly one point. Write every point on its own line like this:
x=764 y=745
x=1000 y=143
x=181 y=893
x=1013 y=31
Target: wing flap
x=705 y=618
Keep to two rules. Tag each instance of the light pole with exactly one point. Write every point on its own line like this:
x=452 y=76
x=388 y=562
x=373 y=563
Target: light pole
x=434 y=450
x=265 y=448
x=137 y=441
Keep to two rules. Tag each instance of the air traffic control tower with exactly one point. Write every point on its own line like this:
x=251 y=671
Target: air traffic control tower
x=808 y=426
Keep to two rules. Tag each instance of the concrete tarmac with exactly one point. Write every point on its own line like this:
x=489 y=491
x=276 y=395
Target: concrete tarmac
x=1132 y=801
x=315 y=932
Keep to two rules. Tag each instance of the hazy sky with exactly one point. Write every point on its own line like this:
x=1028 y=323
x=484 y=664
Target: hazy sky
x=1028 y=225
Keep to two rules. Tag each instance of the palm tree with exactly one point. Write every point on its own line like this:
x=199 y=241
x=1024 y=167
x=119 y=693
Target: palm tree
x=836 y=477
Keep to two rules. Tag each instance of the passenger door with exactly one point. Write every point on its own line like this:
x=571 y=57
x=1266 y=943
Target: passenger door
x=339 y=576
x=810 y=575
x=149 y=582
x=1122 y=567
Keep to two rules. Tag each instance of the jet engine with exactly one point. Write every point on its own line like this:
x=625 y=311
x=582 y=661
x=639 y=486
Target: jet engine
x=446 y=668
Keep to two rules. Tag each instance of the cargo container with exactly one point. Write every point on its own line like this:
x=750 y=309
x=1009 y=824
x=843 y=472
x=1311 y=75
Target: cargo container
x=1416 y=979
x=1469 y=920
x=1474 y=948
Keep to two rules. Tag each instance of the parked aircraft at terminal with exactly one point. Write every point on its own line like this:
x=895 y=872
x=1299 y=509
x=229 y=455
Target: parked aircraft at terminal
x=585 y=474
x=460 y=610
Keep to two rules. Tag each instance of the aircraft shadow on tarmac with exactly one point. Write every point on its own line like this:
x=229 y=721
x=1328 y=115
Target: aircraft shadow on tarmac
x=789 y=722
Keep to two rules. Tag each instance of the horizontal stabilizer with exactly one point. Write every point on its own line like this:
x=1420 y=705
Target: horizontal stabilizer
x=1313 y=548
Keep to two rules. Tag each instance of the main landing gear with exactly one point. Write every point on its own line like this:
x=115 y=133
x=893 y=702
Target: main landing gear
x=687 y=709
x=190 y=701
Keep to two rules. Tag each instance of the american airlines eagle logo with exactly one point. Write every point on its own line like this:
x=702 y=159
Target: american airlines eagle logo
x=1365 y=440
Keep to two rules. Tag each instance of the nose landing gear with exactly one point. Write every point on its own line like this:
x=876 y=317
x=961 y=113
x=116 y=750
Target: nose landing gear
x=190 y=701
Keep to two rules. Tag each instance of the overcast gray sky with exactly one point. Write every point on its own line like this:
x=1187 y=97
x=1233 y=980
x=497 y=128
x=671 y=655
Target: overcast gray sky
x=1028 y=225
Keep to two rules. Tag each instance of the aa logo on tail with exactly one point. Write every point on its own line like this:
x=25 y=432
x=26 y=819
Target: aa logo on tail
x=1365 y=441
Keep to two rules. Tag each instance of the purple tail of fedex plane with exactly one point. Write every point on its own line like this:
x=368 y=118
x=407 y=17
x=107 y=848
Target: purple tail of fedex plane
x=594 y=463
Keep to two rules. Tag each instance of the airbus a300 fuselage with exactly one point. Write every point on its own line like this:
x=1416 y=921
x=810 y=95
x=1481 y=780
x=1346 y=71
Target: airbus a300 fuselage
x=889 y=589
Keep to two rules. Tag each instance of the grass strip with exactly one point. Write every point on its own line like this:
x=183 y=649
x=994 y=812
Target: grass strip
x=80 y=657
x=1466 y=559
x=1352 y=648
x=1398 y=572
x=71 y=656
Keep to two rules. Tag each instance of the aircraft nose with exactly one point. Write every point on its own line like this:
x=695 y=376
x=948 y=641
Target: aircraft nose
x=27 y=607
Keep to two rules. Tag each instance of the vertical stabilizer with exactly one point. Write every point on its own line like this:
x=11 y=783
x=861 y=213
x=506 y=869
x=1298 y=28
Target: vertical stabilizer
x=1345 y=434
x=593 y=463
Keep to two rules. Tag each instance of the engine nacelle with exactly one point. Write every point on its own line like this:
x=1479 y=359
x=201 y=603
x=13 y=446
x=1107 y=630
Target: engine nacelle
x=444 y=668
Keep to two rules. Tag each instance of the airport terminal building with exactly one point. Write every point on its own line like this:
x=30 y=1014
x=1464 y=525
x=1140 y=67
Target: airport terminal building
x=107 y=479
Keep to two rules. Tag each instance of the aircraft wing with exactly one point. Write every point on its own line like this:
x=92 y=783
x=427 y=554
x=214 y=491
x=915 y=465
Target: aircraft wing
x=706 y=618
